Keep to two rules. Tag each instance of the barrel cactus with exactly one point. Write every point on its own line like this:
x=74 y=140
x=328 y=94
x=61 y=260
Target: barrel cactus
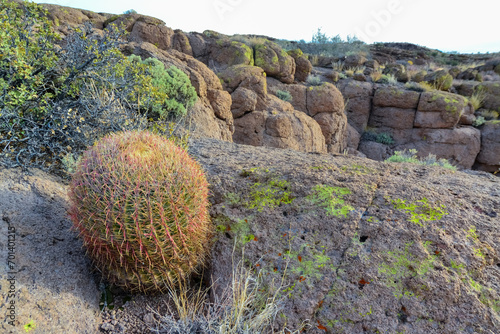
x=140 y=204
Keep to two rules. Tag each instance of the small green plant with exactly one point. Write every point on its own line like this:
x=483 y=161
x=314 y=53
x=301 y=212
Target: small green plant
x=30 y=326
x=314 y=80
x=410 y=156
x=331 y=199
x=420 y=211
x=478 y=121
x=269 y=191
x=388 y=79
x=284 y=95
x=130 y=11
x=489 y=115
x=384 y=138
x=402 y=265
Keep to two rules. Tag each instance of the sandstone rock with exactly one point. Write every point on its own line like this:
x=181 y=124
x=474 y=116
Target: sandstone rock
x=225 y=53
x=64 y=17
x=467 y=117
x=489 y=156
x=275 y=61
x=468 y=74
x=352 y=137
x=291 y=129
x=394 y=97
x=394 y=69
x=439 y=110
x=461 y=145
x=454 y=72
x=333 y=127
x=354 y=60
x=492 y=91
x=243 y=101
x=419 y=76
x=441 y=79
x=221 y=103
x=359 y=102
x=359 y=77
x=199 y=45
x=391 y=117
x=373 y=150
x=324 y=98
x=204 y=123
x=303 y=66
x=250 y=77
x=159 y=35
x=374 y=236
x=181 y=42
x=373 y=64
x=466 y=88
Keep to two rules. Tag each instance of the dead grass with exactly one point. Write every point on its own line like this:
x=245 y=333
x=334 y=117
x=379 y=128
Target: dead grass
x=240 y=309
x=477 y=99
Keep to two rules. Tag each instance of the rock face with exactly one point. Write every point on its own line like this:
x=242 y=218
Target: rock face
x=378 y=268
x=275 y=61
x=303 y=66
x=492 y=91
x=52 y=285
x=439 y=110
x=489 y=156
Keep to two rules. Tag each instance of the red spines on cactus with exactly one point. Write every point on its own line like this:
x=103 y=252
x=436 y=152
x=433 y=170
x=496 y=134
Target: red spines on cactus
x=140 y=203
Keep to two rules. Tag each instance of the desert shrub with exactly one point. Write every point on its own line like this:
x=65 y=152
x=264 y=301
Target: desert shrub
x=478 y=121
x=140 y=203
x=420 y=86
x=376 y=76
x=410 y=156
x=477 y=98
x=314 y=80
x=388 y=79
x=180 y=95
x=57 y=100
x=489 y=115
x=384 y=138
x=130 y=11
x=284 y=95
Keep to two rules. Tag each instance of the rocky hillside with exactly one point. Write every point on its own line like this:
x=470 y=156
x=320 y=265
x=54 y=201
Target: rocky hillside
x=259 y=91
x=356 y=245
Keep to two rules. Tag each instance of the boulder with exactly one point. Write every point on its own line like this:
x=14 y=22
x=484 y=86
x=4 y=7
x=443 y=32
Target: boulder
x=372 y=269
x=354 y=60
x=469 y=74
x=220 y=101
x=397 y=98
x=292 y=129
x=467 y=117
x=199 y=46
x=303 y=66
x=419 y=76
x=324 y=98
x=67 y=17
x=155 y=33
x=373 y=150
x=466 y=88
x=373 y=64
x=180 y=42
x=359 y=102
x=246 y=76
x=225 y=53
x=243 y=101
x=333 y=127
x=489 y=156
x=439 y=110
x=441 y=79
x=492 y=91
x=461 y=145
x=275 y=61
x=352 y=137
x=396 y=118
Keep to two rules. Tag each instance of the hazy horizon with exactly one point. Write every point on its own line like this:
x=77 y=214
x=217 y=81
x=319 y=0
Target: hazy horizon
x=443 y=25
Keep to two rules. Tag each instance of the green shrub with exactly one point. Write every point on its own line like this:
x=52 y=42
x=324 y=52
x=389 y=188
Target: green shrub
x=314 y=80
x=140 y=203
x=284 y=95
x=384 y=138
x=130 y=11
x=58 y=100
x=180 y=94
x=411 y=157
x=478 y=121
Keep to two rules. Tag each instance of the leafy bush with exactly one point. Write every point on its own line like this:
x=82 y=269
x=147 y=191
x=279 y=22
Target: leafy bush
x=382 y=138
x=478 y=121
x=57 y=100
x=411 y=157
x=314 y=80
x=180 y=94
x=130 y=11
x=284 y=95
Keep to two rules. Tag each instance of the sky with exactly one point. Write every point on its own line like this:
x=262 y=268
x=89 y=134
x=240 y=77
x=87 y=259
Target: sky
x=462 y=26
